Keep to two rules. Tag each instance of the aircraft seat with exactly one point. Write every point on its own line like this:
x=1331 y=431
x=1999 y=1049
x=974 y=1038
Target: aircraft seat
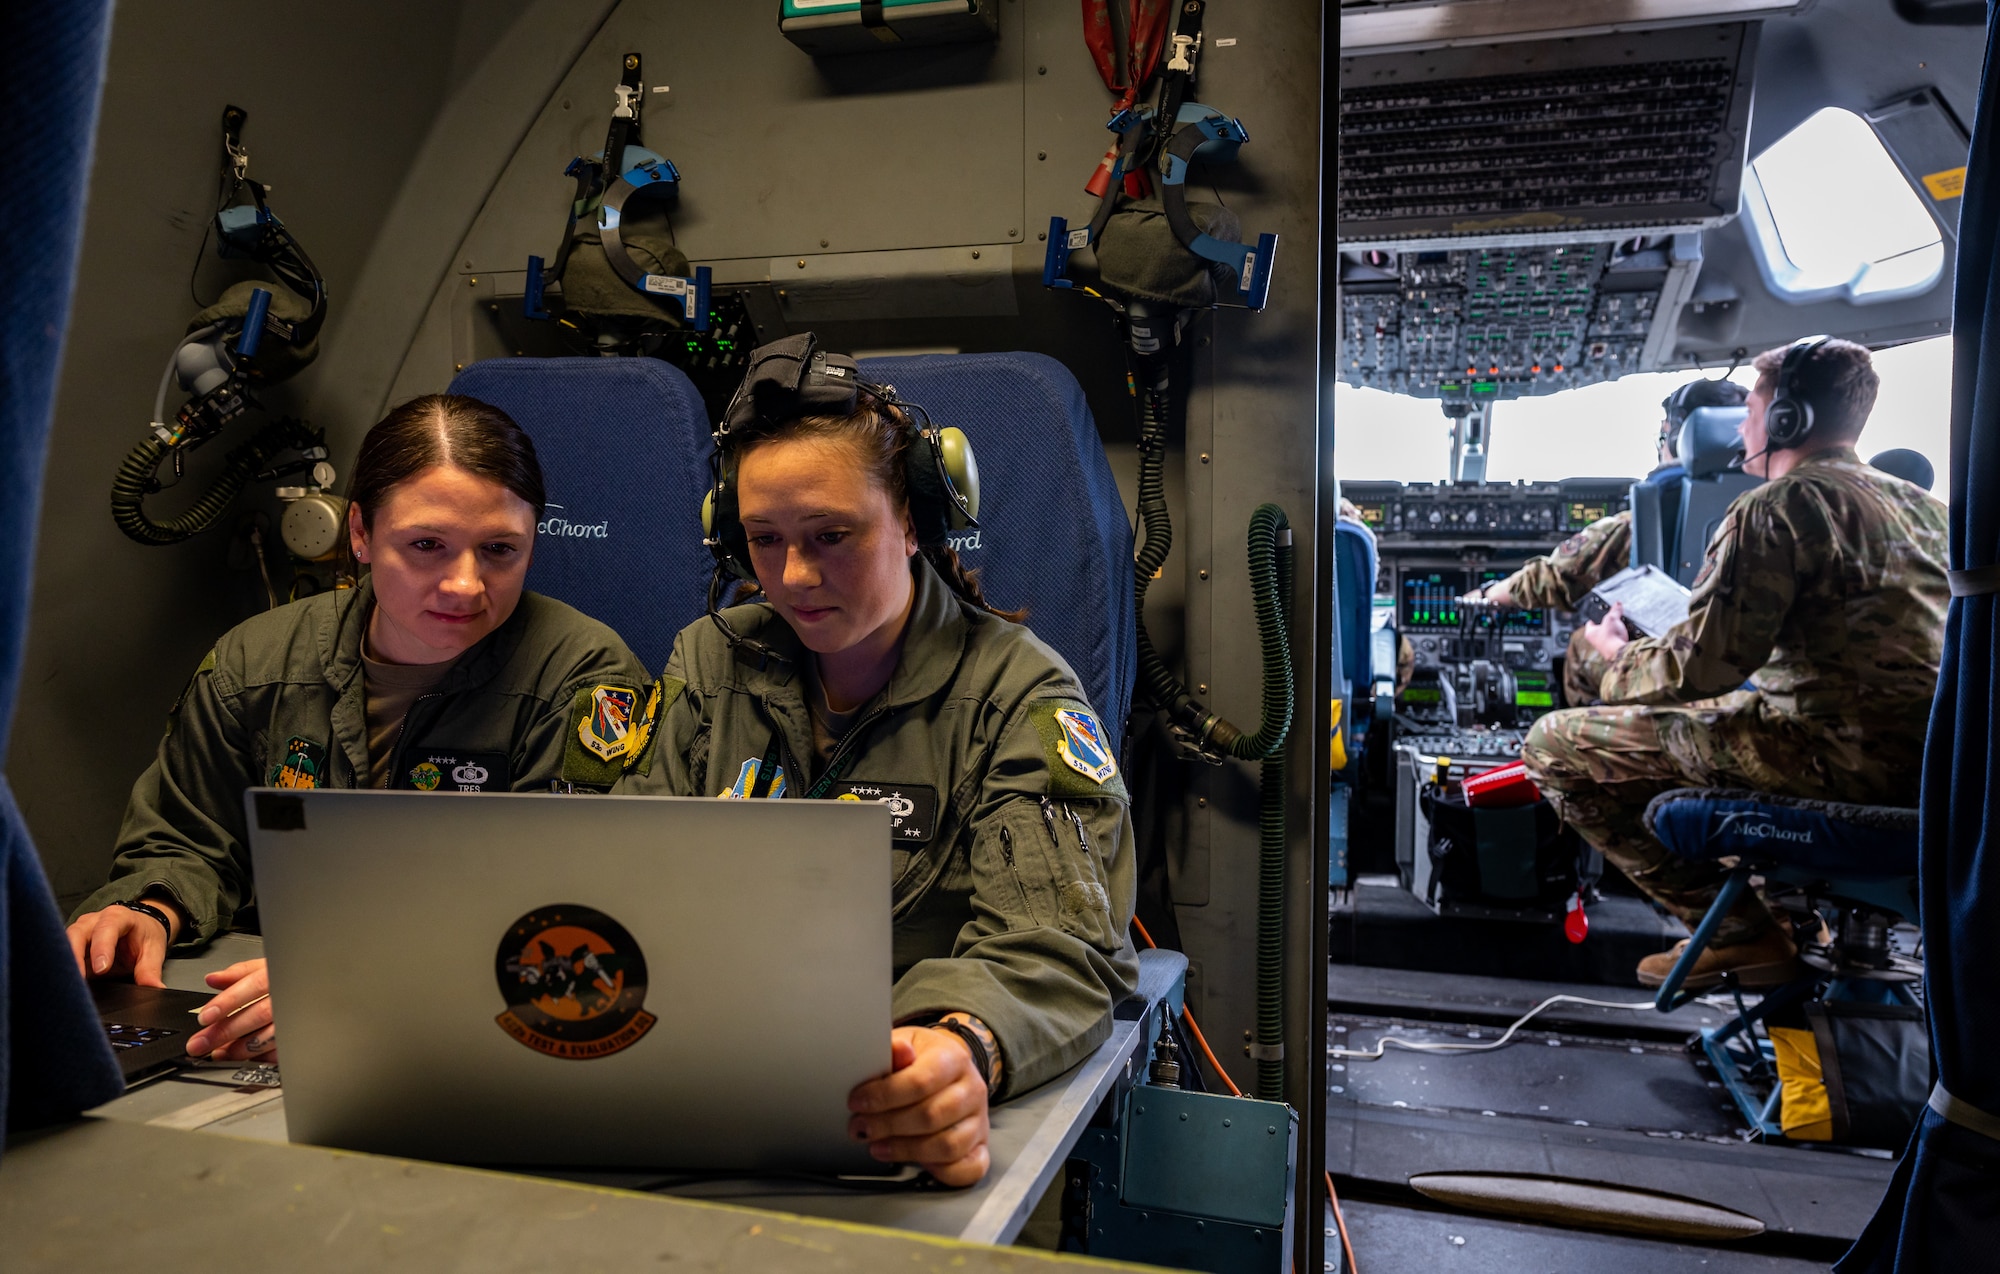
x=1710 y=442
x=1859 y=860
x=1910 y=466
x=1370 y=691
x=1656 y=510
x=624 y=446
x=1053 y=534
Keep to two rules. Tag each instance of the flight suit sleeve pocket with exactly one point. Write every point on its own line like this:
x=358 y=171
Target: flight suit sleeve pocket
x=1035 y=868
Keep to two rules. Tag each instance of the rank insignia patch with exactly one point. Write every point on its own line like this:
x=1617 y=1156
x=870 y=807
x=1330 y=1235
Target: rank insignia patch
x=1083 y=747
x=304 y=764
x=574 y=981
x=912 y=806
x=607 y=731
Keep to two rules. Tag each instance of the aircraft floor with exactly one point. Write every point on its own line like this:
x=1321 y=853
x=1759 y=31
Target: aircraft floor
x=1615 y=1099
x=1392 y=1237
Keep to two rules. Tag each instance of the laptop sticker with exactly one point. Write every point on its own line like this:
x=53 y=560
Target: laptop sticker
x=303 y=766
x=575 y=983
x=912 y=806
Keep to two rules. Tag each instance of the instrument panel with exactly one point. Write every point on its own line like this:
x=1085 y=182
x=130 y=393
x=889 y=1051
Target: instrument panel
x=1425 y=512
x=1483 y=673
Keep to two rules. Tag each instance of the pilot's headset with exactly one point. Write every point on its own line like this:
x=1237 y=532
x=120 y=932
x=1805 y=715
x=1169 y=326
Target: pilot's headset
x=793 y=377
x=1788 y=421
x=1692 y=397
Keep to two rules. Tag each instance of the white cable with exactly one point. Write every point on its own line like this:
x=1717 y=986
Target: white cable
x=1447 y=1046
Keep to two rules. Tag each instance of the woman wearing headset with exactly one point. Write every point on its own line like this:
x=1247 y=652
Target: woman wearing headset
x=871 y=665
x=437 y=672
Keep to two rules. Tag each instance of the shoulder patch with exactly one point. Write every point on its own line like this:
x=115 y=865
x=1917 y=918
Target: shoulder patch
x=207 y=666
x=1082 y=759
x=639 y=749
x=606 y=730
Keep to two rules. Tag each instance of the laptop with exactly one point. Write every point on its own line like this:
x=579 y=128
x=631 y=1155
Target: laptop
x=576 y=981
x=148 y=1026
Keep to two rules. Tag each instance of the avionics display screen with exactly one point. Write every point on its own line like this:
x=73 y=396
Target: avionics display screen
x=1517 y=621
x=1430 y=598
x=1583 y=512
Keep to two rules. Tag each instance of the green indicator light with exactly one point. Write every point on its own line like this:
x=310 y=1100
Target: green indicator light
x=1534 y=699
x=1485 y=389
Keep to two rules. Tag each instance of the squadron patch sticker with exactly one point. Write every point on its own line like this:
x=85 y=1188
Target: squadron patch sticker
x=574 y=981
x=304 y=764
x=1083 y=747
x=912 y=806
x=607 y=730
x=426 y=777
x=746 y=779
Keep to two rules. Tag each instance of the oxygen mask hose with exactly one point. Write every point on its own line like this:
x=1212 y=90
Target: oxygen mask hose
x=134 y=482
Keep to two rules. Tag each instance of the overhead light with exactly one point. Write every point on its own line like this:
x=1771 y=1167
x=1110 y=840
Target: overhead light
x=1386 y=28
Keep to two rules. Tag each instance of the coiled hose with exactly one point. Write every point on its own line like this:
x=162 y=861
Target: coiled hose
x=1271 y=596
x=134 y=481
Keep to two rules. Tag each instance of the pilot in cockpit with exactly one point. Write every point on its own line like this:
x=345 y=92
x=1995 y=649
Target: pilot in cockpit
x=1561 y=579
x=1806 y=665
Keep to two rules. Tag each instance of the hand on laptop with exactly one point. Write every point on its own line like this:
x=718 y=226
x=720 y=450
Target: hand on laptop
x=929 y=1110
x=117 y=941
x=246 y=993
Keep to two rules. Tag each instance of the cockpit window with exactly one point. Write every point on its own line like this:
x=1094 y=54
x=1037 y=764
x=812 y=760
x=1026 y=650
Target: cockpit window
x=1833 y=217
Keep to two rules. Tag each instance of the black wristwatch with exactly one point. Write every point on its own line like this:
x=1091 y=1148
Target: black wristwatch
x=980 y=1058
x=148 y=909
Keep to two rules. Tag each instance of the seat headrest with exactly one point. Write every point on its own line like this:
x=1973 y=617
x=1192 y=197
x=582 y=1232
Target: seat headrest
x=1910 y=466
x=1712 y=440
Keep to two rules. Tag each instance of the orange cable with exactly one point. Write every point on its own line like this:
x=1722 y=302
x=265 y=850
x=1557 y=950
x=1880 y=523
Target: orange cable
x=1347 y=1249
x=1193 y=1026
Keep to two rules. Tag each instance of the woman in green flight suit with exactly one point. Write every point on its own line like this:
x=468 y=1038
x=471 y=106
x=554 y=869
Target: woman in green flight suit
x=872 y=669
x=437 y=672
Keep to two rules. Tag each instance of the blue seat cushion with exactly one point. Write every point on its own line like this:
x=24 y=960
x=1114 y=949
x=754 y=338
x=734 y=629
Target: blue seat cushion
x=1053 y=536
x=1354 y=585
x=1764 y=828
x=624 y=446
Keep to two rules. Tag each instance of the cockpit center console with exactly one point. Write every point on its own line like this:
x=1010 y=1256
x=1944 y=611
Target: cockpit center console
x=1483 y=673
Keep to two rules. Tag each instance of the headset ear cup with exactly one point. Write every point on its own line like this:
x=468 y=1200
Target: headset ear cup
x=961 y=471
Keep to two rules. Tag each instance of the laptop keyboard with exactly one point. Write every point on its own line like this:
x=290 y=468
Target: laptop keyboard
x=124 y=1037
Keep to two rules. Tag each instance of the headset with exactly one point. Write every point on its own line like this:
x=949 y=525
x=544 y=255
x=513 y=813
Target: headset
x=792 y=377
x=1788 y=421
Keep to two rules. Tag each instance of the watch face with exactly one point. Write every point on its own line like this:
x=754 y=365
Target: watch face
x=574 y=981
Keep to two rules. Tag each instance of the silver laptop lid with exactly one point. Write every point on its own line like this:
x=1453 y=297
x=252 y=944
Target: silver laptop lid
x=659 y=982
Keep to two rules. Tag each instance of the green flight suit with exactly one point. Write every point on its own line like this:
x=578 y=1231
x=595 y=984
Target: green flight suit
x=1013 y=870
x=279 y=701
x=1560 y=580
x=1827 y=589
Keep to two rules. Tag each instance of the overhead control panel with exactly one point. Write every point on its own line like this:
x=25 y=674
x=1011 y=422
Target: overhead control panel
x=1483 y=325
x=1594 y=138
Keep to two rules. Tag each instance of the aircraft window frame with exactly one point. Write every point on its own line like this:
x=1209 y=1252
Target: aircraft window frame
x=1887 y=278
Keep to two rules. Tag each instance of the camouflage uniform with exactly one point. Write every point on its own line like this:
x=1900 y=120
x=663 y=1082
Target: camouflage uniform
x=1560 y=580
x=1828 y=588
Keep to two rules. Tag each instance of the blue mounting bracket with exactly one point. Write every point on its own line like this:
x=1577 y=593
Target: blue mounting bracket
x=691 y=294
x=1199 y=128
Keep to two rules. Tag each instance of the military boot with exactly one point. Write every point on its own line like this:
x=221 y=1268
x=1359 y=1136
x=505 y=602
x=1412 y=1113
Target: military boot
x=1767 y=960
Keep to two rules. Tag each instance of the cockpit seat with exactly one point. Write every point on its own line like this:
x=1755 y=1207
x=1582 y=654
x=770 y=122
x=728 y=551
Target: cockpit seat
x=1053 y=535
x=1910 y=466
x=1673 y=520
x=1370 y=686
x=1848 y=872
x=624 y=446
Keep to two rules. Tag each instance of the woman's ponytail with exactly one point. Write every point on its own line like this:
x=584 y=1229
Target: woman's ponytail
x=944 y=559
